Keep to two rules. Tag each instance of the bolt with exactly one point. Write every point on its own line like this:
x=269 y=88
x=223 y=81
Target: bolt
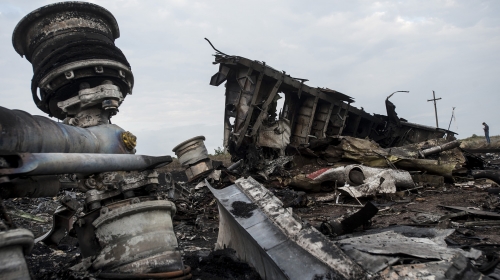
x=104 y=210
x=91 y=182
x=99 y=69
x=69 y=74
x=135 y=200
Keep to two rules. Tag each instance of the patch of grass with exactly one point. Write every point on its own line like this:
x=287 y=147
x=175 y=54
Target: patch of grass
x=478 y=141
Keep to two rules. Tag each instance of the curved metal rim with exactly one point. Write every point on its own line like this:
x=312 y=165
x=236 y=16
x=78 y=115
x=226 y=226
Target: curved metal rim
x=18 y=36
x=83 y=64
x=133 y=209
x=201 y=137
x=20 y=237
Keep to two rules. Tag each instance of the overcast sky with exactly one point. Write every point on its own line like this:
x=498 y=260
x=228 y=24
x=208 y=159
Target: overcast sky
x=365 y=49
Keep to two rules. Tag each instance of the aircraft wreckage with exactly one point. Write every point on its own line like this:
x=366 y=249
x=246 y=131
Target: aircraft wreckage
x=123 y=206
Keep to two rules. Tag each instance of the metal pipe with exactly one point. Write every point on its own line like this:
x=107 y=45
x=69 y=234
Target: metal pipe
x=22 y=132
x=64 y=163
x=438 y=149
x=493 y=175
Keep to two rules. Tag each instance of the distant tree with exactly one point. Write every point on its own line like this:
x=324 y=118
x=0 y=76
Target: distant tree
x=218 y=151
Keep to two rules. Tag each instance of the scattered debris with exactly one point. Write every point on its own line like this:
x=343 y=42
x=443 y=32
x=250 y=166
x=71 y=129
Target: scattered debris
x=318 y=189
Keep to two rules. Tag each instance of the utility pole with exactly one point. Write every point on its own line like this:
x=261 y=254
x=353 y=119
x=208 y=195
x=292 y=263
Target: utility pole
x=435 y=107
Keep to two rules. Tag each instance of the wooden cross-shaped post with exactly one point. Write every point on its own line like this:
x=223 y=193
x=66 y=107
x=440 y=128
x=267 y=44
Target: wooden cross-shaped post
x=435 y=107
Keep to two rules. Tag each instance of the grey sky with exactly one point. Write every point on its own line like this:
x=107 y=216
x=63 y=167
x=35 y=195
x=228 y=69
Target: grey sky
x=365 y=49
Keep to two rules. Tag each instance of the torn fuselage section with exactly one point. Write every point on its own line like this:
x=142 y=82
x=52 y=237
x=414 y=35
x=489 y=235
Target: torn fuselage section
x=251 y=115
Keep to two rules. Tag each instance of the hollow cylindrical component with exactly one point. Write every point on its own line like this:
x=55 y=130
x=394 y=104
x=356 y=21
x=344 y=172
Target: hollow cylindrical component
x=198 y=169
x=441 y=148
x=64 y=163
x=59 y=40
x=34 y=186
x=49 y=25
x=14 y=244
x=193 y=156
x=23 y=132
x=191 y=151
x=355 y=175
x=493 y=175
x=137 y=238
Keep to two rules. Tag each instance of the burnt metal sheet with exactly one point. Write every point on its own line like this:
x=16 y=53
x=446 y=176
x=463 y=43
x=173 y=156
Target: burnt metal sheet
x=290 y=250
x=479 y=213
x=372 y=263
x=311 y=112
x=457 y=268
x=275 y=136
x=292 y=83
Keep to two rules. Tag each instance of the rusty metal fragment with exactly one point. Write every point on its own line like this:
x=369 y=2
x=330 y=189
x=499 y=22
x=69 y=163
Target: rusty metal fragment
x=350 y=223
x=62 y=222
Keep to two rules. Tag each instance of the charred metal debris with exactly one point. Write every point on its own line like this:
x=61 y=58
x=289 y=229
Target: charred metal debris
x=80 y=77
x=317 y=190
x=251 y=117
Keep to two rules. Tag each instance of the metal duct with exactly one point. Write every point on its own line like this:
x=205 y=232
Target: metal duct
x=22 y=132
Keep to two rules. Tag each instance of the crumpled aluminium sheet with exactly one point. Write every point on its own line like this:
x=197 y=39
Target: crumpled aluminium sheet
x=275 y=136
x=378 y=249
x=371 y=154
x=377 y=180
